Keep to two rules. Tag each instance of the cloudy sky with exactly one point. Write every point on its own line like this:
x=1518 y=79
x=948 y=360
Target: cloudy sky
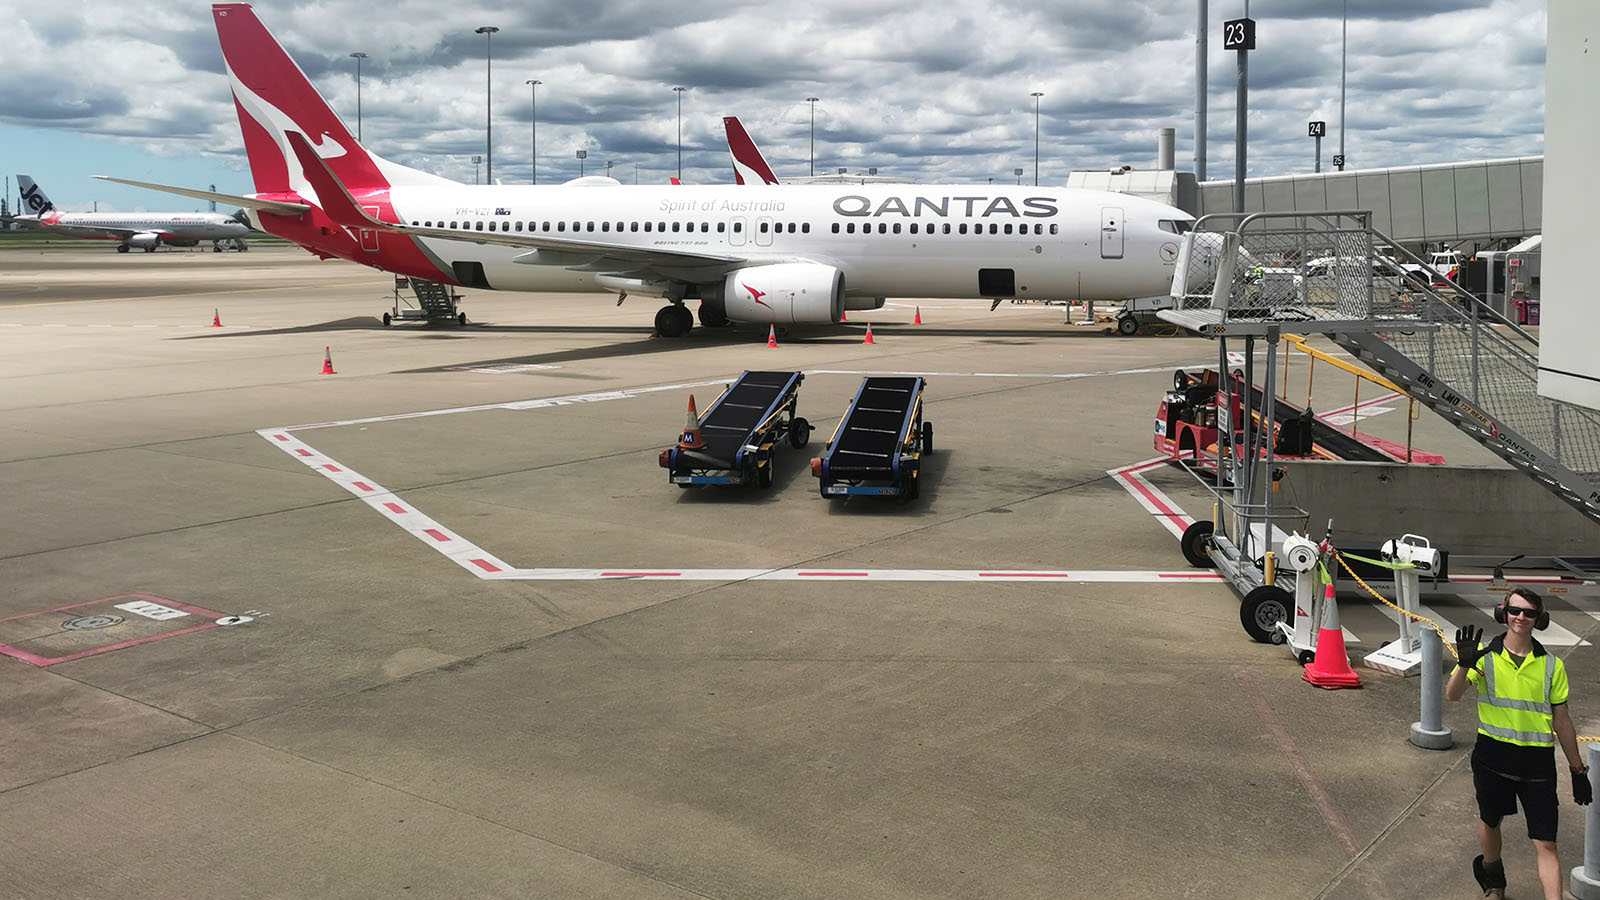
x=935 y=91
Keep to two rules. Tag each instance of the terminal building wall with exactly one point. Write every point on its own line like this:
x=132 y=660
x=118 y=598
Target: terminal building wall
x=1451 y=203
x=1569 y=366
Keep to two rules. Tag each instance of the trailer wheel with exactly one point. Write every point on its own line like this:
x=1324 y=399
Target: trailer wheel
x=927 y=438
x=799 y=432
x=1196 y=538
x=1262 y=610
x=386 y=320
x=1127 y=326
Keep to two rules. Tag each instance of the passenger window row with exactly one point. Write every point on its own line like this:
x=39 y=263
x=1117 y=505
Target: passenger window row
x=738 y=227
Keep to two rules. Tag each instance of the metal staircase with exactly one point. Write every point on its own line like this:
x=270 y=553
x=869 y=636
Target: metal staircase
x=1332 y=274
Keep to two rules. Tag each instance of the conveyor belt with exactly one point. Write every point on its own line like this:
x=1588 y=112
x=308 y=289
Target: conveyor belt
x=1341 y=444
x=728 y=424
x=867 y=444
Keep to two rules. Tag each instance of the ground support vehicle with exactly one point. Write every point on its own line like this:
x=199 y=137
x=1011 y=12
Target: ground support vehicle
x=428 y=301
x=878 y=447
x=738 y=432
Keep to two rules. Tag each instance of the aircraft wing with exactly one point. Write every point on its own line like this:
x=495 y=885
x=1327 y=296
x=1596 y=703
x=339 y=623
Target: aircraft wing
x=593 y=256
x=281 y=207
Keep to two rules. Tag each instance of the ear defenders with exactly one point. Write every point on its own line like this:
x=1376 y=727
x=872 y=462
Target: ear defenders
x=1540 y=622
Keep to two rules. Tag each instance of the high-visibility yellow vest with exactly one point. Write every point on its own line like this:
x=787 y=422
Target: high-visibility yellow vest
x=1515 y=702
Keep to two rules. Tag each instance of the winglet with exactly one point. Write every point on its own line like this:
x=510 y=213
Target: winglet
x=334 y=198
x=749 y=166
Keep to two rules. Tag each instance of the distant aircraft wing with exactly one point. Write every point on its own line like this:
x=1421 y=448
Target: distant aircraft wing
x=593 y=256
x=281 y=207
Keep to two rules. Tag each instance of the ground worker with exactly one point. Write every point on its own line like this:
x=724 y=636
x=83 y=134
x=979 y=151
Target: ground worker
x=1522 y=712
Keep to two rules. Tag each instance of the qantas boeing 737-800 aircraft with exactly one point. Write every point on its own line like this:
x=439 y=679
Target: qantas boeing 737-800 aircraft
x=791 y=255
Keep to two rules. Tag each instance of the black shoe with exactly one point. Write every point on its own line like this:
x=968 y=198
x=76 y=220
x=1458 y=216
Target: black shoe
x=1492 y=877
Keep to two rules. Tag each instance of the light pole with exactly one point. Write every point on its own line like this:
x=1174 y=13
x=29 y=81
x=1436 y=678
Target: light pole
x=608 y=168
x=533 y=88
x=1018 y=173
x=358 y=56
x=582 y=155
x=679 y=91
x=488 y=95
x=635 y=173
x=1036 y=95
x=1344 y=43
x=476 y=162
x=813 y=102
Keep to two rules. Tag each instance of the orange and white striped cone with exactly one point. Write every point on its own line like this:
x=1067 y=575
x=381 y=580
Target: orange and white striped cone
x=772 y=336
x=1330 y=668
x=691 y=430
x=327 y=362
x=216 y=318
x=917 y=319
x=867 y=339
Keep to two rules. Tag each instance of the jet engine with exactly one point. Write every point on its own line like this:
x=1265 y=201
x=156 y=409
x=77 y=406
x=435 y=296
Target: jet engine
x=145 y=240
x=785 y=294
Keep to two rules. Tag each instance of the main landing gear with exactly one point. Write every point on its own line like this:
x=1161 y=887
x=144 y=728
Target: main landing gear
x=674 y=320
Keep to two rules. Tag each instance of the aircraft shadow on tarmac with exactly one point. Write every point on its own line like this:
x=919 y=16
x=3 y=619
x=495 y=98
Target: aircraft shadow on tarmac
x=791 y=471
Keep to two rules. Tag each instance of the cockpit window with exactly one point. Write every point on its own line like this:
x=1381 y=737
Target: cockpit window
x=1177 y=226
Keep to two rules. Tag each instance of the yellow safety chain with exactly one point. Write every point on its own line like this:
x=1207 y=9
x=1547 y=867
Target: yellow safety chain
x=1418 y=617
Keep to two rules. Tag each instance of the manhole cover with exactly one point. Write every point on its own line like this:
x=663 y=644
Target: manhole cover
x=86 y=623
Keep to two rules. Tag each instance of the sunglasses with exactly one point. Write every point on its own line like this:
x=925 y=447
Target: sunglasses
x=1525 y=611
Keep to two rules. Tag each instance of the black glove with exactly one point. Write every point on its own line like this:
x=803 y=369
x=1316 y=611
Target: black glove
x=1467 y=649
x=1582 y=791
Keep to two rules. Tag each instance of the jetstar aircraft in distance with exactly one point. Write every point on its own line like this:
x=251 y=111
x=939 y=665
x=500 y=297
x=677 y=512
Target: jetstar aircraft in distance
x=146 y=230
x=793 y=255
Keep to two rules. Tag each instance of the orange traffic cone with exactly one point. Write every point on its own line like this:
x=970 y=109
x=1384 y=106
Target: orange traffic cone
x=842 y=317
x=216 y=318
x=917 y=319
x=868 y=338
x=327 y=362
x=691 y=430
x=1330 y=668
x=772 y=336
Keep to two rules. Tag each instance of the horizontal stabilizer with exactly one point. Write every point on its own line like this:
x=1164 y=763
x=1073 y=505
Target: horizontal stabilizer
x=282 y=207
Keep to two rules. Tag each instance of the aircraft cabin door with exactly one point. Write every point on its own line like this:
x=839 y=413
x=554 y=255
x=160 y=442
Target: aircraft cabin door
x=369 y=236
x=764 y=231
x=1110 y=232
x=736 y=227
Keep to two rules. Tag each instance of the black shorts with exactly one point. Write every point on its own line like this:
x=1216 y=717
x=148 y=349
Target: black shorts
x=1498 y=797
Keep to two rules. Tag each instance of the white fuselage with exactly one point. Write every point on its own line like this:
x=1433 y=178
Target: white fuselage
x=898 y=240
x=196 y=226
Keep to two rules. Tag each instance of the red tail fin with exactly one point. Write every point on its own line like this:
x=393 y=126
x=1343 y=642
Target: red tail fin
x=273 y=97
x=749 y=166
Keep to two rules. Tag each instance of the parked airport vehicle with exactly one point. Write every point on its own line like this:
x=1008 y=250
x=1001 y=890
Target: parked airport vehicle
x=802 y=255
x=878 y=447
x=732 y=443
x=145 y=230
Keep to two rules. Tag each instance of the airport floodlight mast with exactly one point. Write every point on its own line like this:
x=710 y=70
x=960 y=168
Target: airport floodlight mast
x=679 y=91
x=1036 y=95
x=582 y=155
x=358 y=56
x=533 y=87
x=477 y=160
x=1318 y=130
x=812 y=102
x=1018 y=173
x=1344 y=31
x=488 y=96
x=608 y=168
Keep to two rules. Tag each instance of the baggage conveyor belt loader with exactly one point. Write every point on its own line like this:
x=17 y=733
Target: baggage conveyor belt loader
x=878 y=447
x=732 y=443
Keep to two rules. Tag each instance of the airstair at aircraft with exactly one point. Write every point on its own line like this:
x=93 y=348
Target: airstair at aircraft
x=1248 y=275
x=430 y=301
